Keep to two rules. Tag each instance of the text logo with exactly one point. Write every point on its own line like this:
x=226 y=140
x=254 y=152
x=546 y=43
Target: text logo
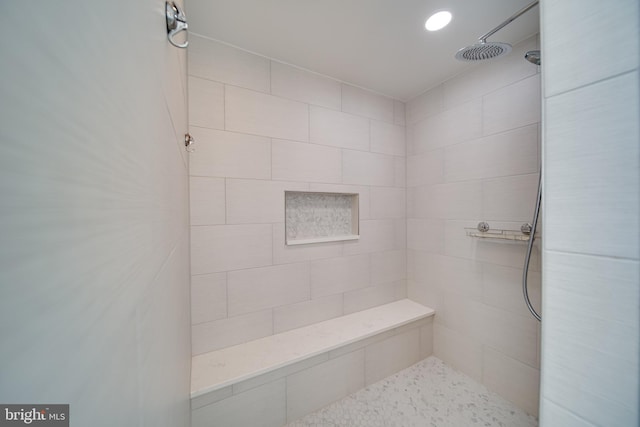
x=34 y=415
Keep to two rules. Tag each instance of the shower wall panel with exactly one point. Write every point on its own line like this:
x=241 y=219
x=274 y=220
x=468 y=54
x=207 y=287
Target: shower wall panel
x=591 y=317
x=94 y=246
x=473 y=155
x=263 y=128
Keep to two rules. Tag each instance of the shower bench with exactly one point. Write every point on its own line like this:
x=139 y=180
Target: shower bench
x=279 y=378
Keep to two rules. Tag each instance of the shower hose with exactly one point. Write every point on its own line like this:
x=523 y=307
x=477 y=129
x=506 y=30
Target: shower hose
x=527 y=259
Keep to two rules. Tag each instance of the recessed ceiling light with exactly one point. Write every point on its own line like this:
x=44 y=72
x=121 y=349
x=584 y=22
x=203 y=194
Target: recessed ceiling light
x=438 y=20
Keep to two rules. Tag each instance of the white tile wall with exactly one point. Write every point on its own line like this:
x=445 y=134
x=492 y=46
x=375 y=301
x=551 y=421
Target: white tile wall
x=591 y=317
x=389 y=356
x=294 y=83
x=338 y=275
x=256 y=113
x=263 y=127
x=283 y=254
x=387 y=267
x=461 y=352
x=473 y=155
x=259 y=288
x=206 y=103
x=372 y=296
x=367 y=104
x=337 y=129
x=322 y=384
x=510 y=153
x=512 y=106
x=517 y=382
x=597 y=160
x=427 y=168
x=510 y=198
x=267 y=403
x=556 y=416
x=213 y=60
x=251 y=201
x=375 y=236
x=513 y=335
x=388 y=138
x=400 y=178
x=425 y=235
x=208 y=297
x=230 y=247
x=295 y=161
x=387 y=202
x=364 y=168
x=502 y=288
x=95 y=222
x=207 y=200
x=598 y=297
x=460 y=123
x=230 y=154
x=399 y=112
x=230 y=331
x=307 y=312
x=427 y=104
x=566 y=30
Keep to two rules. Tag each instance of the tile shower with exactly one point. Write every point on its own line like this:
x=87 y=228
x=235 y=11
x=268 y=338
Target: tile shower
x=467 y=151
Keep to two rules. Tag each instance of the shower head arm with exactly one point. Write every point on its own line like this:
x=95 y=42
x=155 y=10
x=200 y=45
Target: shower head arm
x=512 y=18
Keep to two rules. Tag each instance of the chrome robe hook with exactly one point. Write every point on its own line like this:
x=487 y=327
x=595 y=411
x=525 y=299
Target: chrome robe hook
x=176 y=22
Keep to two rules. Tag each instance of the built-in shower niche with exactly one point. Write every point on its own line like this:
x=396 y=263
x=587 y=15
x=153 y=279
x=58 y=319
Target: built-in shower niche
x=316 y=217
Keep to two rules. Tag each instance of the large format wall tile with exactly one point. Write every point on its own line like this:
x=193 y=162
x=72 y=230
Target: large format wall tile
x=568 y=24
x=367 y=104
x=296 y=161
x=213 y=60
x=330 y=127
x=593 y=307
x=206 y=103
x=260 y=114
x=512 y=106
x=208 y=297
x=268 y=404
x=230 y=247
x=207 y=200
x=301 y=85
x=210 y=336
x=322 y=384
x=230 y=154
x=592 y=153
x=251 y=201
x=267 y=287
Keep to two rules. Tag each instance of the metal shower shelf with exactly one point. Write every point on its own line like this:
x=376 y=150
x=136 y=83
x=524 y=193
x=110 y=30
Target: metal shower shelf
x=483 y=231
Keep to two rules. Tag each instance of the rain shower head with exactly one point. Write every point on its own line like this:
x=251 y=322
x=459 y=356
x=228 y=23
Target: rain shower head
x=483 y=50
x=489 y=50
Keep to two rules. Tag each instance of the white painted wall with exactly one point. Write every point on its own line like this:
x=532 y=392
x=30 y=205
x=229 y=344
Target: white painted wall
x=94 y=270
x=473 y=155
x=591 y=283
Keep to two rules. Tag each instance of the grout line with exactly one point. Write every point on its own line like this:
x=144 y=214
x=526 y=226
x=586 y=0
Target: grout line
x=592 y=83
x=591 y=255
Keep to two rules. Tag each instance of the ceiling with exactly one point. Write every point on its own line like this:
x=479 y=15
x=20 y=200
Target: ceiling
x=380 y=45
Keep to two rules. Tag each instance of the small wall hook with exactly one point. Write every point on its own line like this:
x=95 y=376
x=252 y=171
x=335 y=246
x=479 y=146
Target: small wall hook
x=176 y=22
x=188 y=142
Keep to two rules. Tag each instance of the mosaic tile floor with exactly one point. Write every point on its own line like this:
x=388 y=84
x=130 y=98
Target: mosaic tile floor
x=427 y=394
